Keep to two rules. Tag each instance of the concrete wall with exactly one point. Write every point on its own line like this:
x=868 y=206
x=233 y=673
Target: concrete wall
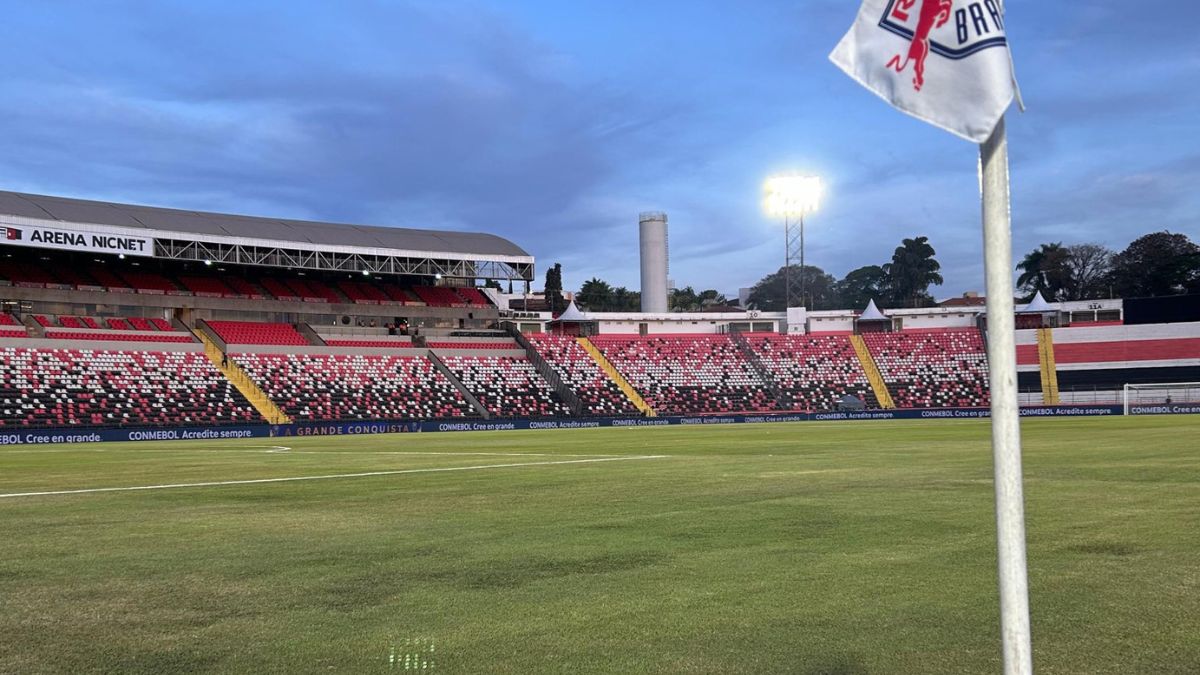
x=98 y=345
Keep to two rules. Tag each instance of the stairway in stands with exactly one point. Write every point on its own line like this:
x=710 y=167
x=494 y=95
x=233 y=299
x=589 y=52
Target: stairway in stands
x=1047 y=366
x=238 y=377
x=872 y=371
x=618 y=379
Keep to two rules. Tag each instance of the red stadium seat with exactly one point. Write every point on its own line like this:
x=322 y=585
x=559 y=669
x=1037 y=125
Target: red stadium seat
x=250 y=333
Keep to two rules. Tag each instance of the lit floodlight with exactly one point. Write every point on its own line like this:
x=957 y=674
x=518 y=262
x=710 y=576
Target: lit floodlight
x=791 y=195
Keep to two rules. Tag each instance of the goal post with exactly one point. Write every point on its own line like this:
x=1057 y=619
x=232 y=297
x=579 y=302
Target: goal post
x=1150 y=398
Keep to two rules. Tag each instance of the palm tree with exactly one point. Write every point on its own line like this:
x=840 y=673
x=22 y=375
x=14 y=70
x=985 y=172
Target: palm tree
x=596 y=295
x=1046 y=270
x=912 y=271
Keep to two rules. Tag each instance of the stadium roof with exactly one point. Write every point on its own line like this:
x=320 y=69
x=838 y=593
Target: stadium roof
x=155 y=221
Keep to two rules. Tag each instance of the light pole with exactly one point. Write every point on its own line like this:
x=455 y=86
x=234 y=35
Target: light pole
x=792 y=197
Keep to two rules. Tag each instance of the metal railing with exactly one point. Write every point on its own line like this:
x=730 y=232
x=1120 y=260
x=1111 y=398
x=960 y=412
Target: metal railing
x=760 y=368
x=543 y=367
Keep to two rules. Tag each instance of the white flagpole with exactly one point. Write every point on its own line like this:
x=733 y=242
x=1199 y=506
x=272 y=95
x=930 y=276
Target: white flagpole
x=1006 y=425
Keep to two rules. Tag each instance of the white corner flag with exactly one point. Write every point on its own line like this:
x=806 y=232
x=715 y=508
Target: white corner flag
x=948 y=62
x=942 y=61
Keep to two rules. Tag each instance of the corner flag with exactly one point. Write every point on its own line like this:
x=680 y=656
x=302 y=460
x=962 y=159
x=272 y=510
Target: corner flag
x=942 y=61
x=947 y=62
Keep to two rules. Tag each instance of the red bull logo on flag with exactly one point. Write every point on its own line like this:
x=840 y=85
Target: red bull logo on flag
x=944 y=61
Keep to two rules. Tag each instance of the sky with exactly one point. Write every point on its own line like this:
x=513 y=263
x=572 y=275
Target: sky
x=555 y=123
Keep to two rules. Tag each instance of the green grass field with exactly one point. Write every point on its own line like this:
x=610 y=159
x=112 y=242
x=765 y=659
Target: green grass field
x=792 y=548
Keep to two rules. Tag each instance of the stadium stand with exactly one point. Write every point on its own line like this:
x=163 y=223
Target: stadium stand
x=696 y=374
x=599 y=394
x=82 y=387
x=328 y=387
x=278 y=289
x=250 y=333
x=134 y=328
x=473 y=297
x=474 y=344
x=11 y=327
x=146 y=282
x=932 y=369
x=363 y=292
x=400 y=295
x=109 y=281
x=245 y=288
x=438 y=296
x=814 y=371
x=506 y=386
x=22 y=274
x=392 y=343
x=119 y=336
x=206 y=286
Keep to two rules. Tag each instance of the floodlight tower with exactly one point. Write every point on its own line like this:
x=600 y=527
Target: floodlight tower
x=792 y=197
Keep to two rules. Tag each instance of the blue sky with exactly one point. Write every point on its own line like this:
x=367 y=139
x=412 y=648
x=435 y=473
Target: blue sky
x=555 y=123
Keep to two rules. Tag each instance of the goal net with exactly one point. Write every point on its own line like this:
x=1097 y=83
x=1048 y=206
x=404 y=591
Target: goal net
x=1154 y=399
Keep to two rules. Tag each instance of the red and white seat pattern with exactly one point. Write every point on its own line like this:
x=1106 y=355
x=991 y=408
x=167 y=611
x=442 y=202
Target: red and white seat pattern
x=599 y=394
x=686 y=375
x=815 y=371
x=942 y=369
x=102 y=388
x=324 y=387
x=506 y=386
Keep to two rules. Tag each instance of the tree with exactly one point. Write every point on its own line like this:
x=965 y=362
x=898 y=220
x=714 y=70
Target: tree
x=710 y=297
x=912 y=271
x=684 y=299
x=596 y=295
x=1045 y=270
x=553 y=289
x=492 y=283
x=1088 y=266
x=862 y=285
x=1156 y=264
x=625 y=300
x=770 y=294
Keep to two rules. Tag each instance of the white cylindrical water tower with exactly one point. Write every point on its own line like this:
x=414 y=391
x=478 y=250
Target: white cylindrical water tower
x=653 y=232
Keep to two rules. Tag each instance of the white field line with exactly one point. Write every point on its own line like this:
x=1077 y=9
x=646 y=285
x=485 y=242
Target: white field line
x=367 y=474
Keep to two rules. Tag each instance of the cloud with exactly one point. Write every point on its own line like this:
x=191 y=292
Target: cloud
x=555 y=124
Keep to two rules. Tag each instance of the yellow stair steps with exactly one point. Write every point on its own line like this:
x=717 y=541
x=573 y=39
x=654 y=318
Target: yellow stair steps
x=1048 y=367
x=872 y=372
x=238 y=377
x=618 y=379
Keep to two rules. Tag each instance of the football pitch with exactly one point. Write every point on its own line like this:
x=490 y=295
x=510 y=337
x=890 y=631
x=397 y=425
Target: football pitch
x=790 y=548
